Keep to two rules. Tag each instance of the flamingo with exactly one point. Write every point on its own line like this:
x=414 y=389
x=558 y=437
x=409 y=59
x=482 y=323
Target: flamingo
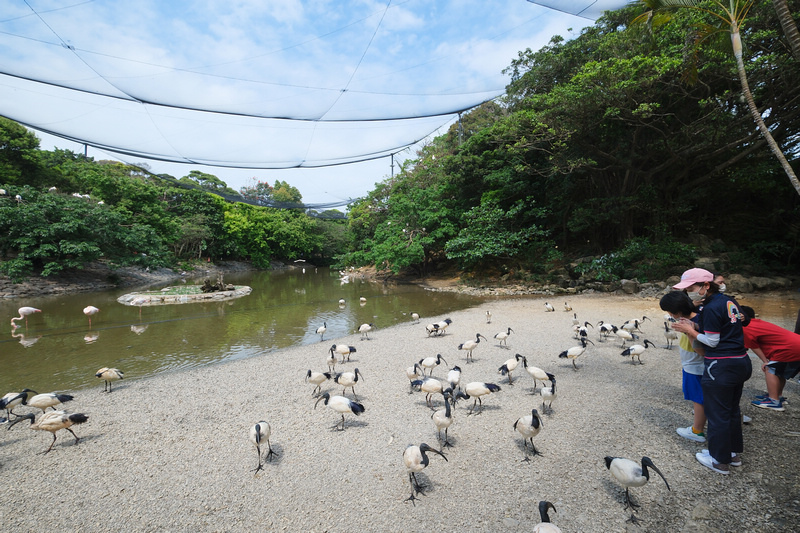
x=23 y=314
x=89 y=311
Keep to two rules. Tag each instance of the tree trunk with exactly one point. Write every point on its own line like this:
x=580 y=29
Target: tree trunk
x=776 y=150
x=789 y=26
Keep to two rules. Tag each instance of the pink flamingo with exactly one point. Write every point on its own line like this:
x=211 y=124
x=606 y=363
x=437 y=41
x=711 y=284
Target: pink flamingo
x=23 y=313
x=90 y=310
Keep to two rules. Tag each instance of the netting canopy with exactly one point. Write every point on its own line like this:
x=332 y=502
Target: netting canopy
x=589 y=9
x=256 y=84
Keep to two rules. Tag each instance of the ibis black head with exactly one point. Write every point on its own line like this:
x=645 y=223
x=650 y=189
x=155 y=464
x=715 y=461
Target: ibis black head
x=584 y=340
x=28 y=416
x=648 y=343
x=439 y=359
x=457 y=368
x=544 y=506
x=609 y=460
x=308 y=374
x=647 y=462
x=551 y=377
x=519 y=357
x=325 y=396
x=423 y=448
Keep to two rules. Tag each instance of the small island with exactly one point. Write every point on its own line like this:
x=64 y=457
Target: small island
x=181 y=294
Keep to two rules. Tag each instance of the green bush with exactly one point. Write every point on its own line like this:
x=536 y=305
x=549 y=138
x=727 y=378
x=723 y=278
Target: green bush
x=646 y=260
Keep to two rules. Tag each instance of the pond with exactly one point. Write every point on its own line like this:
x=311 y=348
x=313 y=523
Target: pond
x=59 y=351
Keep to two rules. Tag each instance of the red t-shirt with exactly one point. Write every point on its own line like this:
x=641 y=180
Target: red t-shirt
x=778 y=344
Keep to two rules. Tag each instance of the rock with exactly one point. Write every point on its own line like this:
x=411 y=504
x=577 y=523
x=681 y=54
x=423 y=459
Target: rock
x=629 y=286
x=738 y=283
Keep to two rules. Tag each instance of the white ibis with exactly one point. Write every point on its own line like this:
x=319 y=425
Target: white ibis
x=341 y=405
x=341 y=301
x=23 y=314
x=488 y=317
x=321 y=331
x=503 y=337
x=429 y=386
x=415 y=318
x=545 y=526
x=631 y=474
x=476 y=389
x=605 y=329
x=582 y=332
x=637 y=350
x=438 y=328
x=430 y=362
x=535 y=372
x=471 y=345
x=90 y=311
x=670 y=334
x=364 y=329
x=362 y=300
x=414 y=373
x=529 y=426
x=331 y=360
x=509 y=366
x=259 y=433
x=454 y=377
x=575 y=321
x=567 y=307
x=348 y=379
x=54 y=421
x=548 y=307
x=109 y=375
x=13 y=399
x=623 y=334
x=51 y=399
x=575 y=352
x=443 y=418
x=416 y=459
x=549 y=393
x=317 y=378
x=343 y=350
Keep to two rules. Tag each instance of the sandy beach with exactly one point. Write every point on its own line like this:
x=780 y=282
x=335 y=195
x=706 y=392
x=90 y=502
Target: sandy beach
x=171 y=453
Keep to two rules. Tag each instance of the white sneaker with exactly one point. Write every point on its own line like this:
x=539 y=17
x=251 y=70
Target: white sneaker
x=688 y=433
x=746 y=419
x=708 y=461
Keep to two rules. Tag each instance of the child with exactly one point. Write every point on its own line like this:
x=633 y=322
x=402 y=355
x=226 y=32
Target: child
x=678 y=305
x=779 y=351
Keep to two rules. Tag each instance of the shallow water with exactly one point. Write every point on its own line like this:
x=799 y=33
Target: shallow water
x=59 y=351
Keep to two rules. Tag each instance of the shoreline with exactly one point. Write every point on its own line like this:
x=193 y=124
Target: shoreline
x=171 y=451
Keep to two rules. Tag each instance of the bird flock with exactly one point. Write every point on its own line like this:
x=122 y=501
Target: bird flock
x=443 y=385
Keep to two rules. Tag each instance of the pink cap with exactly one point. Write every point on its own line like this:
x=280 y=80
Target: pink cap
x=692 y=276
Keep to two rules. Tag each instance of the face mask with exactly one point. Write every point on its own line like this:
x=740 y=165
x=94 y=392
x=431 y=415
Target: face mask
x=722 y=287
x=695 y=296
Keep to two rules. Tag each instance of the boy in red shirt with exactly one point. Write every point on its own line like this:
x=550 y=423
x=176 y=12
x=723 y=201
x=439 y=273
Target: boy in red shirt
x=779 y=351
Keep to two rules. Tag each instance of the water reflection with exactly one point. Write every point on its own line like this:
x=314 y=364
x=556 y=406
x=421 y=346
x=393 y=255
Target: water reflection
x=59 y=351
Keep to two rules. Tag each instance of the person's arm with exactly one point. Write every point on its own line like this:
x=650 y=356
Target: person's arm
x=688 y=327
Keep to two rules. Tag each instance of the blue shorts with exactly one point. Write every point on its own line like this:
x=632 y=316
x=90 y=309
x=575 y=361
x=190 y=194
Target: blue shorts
x=783 y=370
x=692 y=390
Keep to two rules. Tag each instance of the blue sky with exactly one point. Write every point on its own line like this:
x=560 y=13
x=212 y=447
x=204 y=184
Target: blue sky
x=263 y=83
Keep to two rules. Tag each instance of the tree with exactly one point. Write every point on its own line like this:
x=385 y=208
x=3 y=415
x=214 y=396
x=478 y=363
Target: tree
x=18 y=153
x=258 y=191
x=208 y=182
x=730 y=19
x=282 y=192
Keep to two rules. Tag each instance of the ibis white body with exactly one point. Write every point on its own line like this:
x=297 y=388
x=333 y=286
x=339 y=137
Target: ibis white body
x=341 y=405
x=429 y=363
x=109 y=375
x=364 y=329
x=503 y=337
x=529 y=426
x=317 y=379
x=321 y=331
x=509 y=366
x=470 y=345
x=636 y=351
x=51 y=399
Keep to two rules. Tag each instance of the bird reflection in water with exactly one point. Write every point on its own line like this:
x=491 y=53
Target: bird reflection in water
x=91 y=337
x=139 y=328
x=26 y=341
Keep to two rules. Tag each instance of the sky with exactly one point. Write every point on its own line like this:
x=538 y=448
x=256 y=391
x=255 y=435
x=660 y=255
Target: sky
x=290 y=90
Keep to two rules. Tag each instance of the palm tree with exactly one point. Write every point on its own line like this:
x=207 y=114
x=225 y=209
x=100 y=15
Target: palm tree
x=731 y=18
x=789 y=26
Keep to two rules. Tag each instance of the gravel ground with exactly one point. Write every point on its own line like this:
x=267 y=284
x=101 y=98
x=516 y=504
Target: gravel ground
x=171 y=453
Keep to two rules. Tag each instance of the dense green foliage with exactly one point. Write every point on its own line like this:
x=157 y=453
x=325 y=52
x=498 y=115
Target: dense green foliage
x=124 y=215
x=620 y=144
